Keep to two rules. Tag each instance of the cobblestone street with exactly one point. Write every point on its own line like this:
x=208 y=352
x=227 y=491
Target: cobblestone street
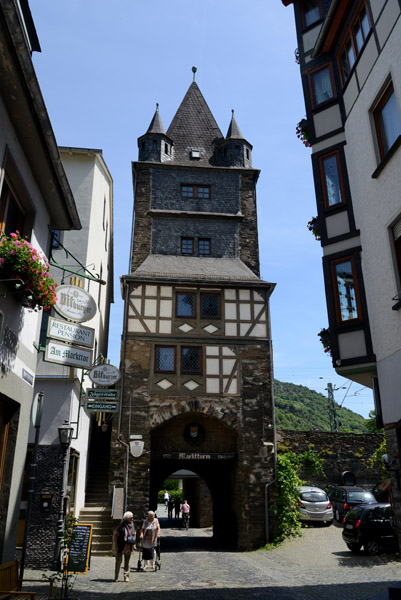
x=316 y=566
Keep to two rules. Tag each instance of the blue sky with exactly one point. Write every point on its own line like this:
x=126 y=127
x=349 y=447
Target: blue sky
x=102 y=69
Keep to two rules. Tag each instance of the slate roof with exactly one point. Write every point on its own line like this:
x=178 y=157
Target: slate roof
x=234 y=131
x=195 y=267
x=156 y=125
x=194 y=128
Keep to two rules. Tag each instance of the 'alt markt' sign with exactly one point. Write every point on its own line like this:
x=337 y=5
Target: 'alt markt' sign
x=70 y=332
x=66 y=354
x=74 y=303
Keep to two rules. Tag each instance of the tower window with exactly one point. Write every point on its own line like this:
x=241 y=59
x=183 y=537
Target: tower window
x=210 y=306
x=191 y=360
x=247 y=154
x=154 y=144
x=204 y=246
x=187 y=245
x=166 y=148
x=195 y=191
x=165 y=359
x=143 y=145
x=185 y=305
x=236 y=150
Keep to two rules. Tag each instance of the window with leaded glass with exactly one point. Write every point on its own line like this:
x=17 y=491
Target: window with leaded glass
x=187 y=245
x=165 y=359
x=204 y=246
x=346 y=290
x=191 y=360
x=185 y=305
x=203 y=192
x=210 y=306
x=333 y=192
x=187 y=191
x=195 y=191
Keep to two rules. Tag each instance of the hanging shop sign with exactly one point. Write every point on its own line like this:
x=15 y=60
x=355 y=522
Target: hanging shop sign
x=70 y=332
x=68 y=355
x=97 y=406
x=74 y=303
x=104 y=375
x=99 y=394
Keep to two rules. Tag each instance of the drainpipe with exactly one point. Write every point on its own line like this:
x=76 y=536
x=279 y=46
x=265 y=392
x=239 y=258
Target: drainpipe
x=269 y=483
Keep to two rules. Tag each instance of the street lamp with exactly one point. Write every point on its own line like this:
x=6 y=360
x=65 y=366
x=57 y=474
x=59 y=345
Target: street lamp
x=65 y=436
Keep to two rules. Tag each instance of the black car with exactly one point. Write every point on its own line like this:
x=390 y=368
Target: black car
x=345 y=497
x=371 y=526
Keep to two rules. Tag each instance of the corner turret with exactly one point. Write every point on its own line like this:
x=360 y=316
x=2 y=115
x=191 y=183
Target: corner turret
x=235 y=150
x=155 y=145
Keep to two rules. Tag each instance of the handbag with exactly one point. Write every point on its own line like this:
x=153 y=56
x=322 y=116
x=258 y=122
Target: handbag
x=131 y=540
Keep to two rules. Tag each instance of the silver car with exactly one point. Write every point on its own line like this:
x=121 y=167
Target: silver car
x=314 y=505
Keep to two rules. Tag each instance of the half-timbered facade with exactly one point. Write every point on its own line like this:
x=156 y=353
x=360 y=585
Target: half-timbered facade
x=196 y=351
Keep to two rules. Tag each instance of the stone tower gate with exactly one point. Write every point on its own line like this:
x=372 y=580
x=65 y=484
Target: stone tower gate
x=196 y=349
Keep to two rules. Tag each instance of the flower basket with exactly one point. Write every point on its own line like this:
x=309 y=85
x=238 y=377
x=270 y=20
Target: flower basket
x=325 y=339
x=26 y=273
x=302 y=132
x=313 y=226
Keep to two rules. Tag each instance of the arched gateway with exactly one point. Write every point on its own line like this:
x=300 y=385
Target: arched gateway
x=196 y=350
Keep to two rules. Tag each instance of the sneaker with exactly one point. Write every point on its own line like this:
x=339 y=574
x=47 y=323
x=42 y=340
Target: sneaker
x=126 y=578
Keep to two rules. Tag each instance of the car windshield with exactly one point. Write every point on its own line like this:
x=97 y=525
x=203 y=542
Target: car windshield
x=313 y=496
x=360 y=496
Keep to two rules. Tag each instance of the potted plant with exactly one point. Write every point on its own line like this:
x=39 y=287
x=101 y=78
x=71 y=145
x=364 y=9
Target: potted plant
x=313 y=226
x=302 y=132
x=22 y=265
x=325 y=339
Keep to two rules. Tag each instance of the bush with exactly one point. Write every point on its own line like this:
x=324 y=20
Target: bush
x=173 y=494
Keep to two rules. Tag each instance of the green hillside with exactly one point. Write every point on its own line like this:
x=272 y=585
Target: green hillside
x=299 y=408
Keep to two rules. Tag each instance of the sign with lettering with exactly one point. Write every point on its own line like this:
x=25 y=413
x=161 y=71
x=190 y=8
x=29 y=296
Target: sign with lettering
x=99 y=394
x=104 y=375
x=74 y=303
x=194 y=455
x=66 y=354
x=78 y=553
x=97 y=406
x=70 y=332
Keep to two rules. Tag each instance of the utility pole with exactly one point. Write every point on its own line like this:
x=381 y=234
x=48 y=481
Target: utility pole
x=332 y=408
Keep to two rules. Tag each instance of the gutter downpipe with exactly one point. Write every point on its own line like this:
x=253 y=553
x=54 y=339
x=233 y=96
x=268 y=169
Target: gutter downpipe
x=325 y=27
x=119 y=438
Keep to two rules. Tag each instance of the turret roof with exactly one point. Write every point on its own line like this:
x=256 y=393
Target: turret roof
x=234 y=131
x=156 y=125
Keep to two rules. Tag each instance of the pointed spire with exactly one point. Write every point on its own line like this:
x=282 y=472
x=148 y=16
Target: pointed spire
x=234 y=131
x=194 y=69
x=156 y=125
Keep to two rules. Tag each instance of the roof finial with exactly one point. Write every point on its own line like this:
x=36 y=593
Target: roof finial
x=232 y=110
x=194 y=69
x=157 y=106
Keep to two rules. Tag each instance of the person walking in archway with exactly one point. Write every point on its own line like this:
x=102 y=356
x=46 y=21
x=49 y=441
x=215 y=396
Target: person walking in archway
x=170 y=506
x=166 y=498
x=123 y=544
x=177 y=505
x=185 y=510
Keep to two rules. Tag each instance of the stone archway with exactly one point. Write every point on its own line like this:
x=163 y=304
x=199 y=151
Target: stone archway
x=207 y=447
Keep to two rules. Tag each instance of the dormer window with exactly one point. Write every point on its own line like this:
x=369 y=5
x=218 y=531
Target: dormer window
x=236 y=150
x=154 y=144
x=195 y=153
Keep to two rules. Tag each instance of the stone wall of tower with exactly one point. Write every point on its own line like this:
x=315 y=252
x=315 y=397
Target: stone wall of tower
x=143 y=222
x=248 y=234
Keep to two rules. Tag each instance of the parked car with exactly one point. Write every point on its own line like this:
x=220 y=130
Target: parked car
x=314 y=505
x=381 y=491
x=371 y=526
x=345 y=497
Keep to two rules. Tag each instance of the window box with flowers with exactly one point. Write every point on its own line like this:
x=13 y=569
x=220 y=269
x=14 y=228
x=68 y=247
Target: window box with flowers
x=325 y=339
x=313 y=226
x=26 y=272
x=302 y=132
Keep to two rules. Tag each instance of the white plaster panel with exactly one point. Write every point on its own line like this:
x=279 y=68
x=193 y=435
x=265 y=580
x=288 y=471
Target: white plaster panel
x=166 y=307
x=332 y=141
x=376 y=6
x=150 y=308
x=228 y=364
x=244 y=328
x=327 y=120
x=352 y=344
x=228 y=351
x=137 y=302
x=245 y=312
x=136 y=326
x=230 y=310
x=244 y=294
x=231 y=329
x=386 y=22
x=367 y=60
x=337 y=224
x=341 y=246
x=389 y=374
x=212 y=366
x=137 y=291
x=258 y=297
x=151 y=290
x=164 y=326
x=309 y=38
x=212 y=386
x=259 y=330
x=151 y=324
x=229 y=294
x=166 y=291
x=350 y=94
x=232 y=388
x=212 y=350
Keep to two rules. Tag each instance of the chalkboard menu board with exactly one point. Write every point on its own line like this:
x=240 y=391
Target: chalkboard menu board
x=78 y=554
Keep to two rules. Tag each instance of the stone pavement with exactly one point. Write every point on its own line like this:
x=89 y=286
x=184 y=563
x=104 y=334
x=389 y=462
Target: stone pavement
x=316 y=566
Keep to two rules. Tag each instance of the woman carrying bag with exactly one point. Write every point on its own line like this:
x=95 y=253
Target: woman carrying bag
x=149 y=535
x=124 y=543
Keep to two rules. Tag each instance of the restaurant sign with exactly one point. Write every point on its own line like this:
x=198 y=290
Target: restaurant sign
x=99 y=394
x=104 y=375
x=74 y=303
x=70 y=332
x=68 y=355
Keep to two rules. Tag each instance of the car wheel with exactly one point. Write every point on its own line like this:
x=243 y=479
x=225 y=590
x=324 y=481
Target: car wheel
x=371 y=548
x=354 y=547
x=337 y=515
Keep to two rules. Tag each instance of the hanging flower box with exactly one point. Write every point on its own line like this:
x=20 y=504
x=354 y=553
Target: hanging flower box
x=313 y=226
x=302 y=132
x=325 y=339
x=26 y=273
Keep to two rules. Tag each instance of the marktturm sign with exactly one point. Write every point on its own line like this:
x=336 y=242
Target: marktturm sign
x=194 y=455
x=68 y=355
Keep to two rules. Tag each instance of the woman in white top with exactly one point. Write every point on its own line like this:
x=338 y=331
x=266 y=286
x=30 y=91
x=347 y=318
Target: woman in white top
x=150 y=533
